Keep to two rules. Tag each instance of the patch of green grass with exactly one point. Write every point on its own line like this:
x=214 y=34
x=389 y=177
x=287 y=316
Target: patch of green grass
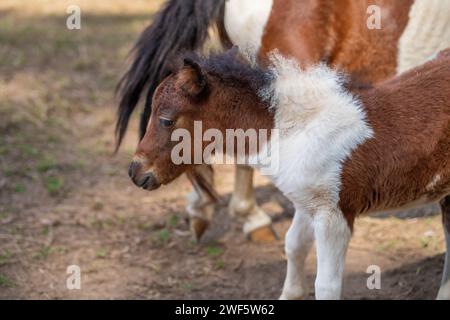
x=101 y=253
x=46 y=164
x=28 y=150
x=214 y=251
x=220 y=264
x=145 y=225
x=174 y=220
x=187 y=286
x=164 y=235
x=45 y=230
x=121 y=219
x=4 y=149
x=62 y=250
x=8 y=172
x=43 y=253
x=6 y=282
x=80 y=164
x=4 y=257
x=424 y=242
x=19 y=188
x=4 y=215
x=53 y=185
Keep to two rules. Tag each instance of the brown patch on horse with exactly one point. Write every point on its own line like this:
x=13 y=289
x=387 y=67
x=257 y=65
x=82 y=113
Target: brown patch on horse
x=336 y=32
x=409 y=157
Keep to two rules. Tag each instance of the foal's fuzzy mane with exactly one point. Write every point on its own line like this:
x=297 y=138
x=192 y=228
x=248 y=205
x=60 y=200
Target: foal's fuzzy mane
x=236 y=69
x=233 y=69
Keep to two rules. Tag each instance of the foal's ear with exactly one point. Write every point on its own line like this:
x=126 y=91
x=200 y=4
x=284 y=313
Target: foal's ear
x=191 y=79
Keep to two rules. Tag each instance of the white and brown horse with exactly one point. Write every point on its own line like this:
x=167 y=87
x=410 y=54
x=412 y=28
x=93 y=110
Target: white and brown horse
x=341 y=152
x=311 y=31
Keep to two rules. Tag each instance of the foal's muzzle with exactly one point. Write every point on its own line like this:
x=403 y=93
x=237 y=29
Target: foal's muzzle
x=146 y=180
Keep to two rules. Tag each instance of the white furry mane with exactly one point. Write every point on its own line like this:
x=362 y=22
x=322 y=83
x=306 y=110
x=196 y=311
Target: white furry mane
x=298 y=94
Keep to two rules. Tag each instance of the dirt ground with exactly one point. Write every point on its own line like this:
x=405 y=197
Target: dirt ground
x=65 y=199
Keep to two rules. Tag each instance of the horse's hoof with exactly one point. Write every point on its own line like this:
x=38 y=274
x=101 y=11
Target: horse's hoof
x=264 y=234
x=198 y=227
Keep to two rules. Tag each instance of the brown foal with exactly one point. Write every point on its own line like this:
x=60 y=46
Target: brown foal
x=342 y=152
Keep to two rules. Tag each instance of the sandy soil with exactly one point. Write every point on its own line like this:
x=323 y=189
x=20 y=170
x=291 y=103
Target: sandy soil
x=65 y=199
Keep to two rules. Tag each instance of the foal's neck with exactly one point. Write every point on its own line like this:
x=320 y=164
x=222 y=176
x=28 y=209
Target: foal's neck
x=241 y=107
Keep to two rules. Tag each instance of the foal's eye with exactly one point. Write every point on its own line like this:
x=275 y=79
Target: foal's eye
x=166 y=123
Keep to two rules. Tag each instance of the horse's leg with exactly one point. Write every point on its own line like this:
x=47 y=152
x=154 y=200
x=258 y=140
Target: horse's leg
x=299 y=239
x=201 y=201
x=258 y=224
x=444 y=291
x=332 y=235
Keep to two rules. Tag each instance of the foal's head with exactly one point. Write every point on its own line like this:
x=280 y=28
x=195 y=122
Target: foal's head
x=201 y=90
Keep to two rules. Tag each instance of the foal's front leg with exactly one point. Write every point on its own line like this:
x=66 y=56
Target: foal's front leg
x=202 y=200
x=299 y=240
x=332 y=234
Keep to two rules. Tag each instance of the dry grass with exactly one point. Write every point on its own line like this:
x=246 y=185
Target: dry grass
x=51 y=7
x=56 y=107
x=51 y=76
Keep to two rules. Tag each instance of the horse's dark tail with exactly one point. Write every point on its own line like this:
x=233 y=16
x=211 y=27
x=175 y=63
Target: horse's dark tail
x=180 y=25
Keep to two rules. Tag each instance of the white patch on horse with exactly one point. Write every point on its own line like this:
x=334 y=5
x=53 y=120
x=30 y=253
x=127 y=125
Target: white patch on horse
x=332 y=235
x=298 y=242
x=320 y=125
x=245 y=22
x=433 y=183
x=427 y=32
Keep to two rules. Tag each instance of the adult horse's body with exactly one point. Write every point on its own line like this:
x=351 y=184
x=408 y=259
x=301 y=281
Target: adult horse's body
x=311 y=31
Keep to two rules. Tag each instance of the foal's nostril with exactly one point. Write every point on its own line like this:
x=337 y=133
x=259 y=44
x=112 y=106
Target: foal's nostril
x=141 y=179
x=144 y=181
x=130 y=171
x=134 y=169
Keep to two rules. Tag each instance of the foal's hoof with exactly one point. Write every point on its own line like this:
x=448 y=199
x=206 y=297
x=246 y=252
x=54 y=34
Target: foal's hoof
x=264 y=234
x=198 y=227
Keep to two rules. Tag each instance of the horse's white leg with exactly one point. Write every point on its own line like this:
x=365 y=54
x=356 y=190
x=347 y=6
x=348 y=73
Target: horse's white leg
x=298 y=243
x=201 y=204
x=258 y=224
x=444 y=291
x=332 y=235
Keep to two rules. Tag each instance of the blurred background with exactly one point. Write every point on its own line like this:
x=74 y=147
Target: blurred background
x=66 y=199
